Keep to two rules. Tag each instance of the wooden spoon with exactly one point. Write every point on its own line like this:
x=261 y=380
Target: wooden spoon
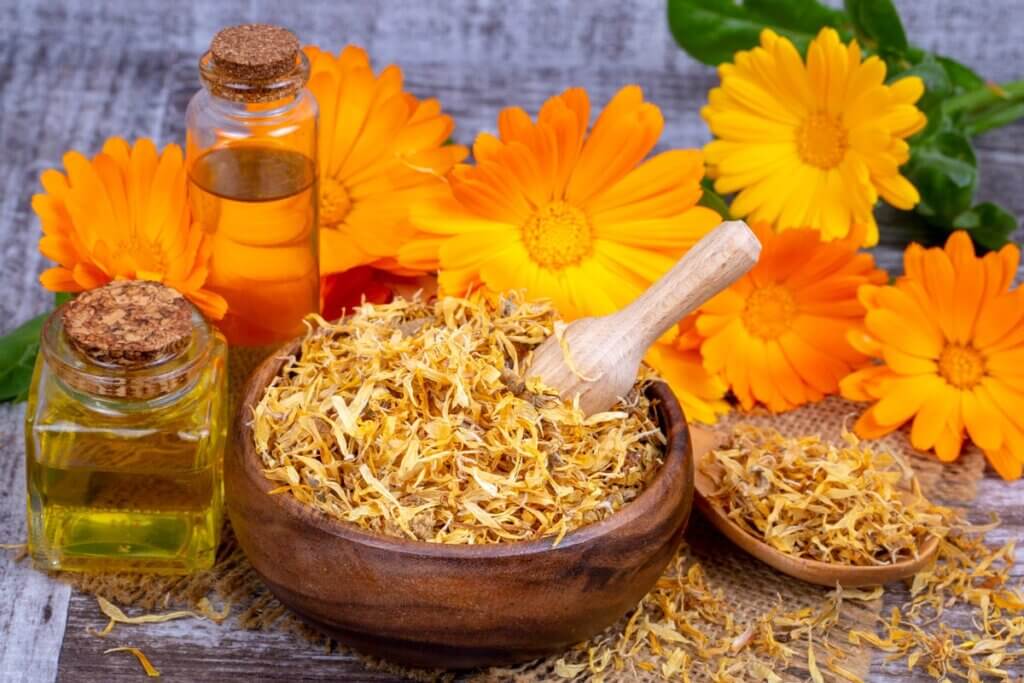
x=598 y=358
x=824 y=573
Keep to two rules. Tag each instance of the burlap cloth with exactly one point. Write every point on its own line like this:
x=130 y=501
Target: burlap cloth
x=750 y=587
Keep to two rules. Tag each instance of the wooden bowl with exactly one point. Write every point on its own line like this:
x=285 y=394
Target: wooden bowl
x=456 y=606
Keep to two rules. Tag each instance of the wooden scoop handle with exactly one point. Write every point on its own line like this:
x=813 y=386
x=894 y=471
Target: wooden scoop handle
x=597 y=359
x=715 y=262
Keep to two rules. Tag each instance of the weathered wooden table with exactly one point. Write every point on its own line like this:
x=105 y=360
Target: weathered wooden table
x=73 y=73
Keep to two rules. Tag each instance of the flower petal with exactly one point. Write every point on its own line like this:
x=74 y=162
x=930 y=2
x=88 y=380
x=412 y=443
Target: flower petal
x=981 y=419
x=932 y=418
x=904 y=397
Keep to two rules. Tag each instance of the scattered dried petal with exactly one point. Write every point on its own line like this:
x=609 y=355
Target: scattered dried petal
x=118 y=617
x=147 y=666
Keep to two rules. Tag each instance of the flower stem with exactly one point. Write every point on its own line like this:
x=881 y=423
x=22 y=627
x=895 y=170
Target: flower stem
x=995 y=117
x=983 y=97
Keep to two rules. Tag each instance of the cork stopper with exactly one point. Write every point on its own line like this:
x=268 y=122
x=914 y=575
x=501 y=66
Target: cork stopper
x=129 y=324
x=255 y=52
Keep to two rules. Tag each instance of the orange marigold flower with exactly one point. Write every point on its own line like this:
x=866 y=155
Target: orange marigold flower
x=950 y=335
x=812 y=144
x=679 y=363
x=380 y=149
x=343 y=292
x=124 y=215
x=340 y=293
x=580 y=219
x=778 y=335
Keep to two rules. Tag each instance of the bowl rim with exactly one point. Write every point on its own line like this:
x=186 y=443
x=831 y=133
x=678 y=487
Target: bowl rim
x=675 y=464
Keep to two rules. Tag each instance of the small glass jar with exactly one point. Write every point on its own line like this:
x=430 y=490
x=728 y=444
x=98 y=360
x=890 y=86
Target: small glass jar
x=252 y=153
x=124 y=434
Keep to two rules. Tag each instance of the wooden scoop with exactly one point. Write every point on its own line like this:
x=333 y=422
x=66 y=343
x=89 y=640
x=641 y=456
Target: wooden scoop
x=598 y=358
x=826 y=574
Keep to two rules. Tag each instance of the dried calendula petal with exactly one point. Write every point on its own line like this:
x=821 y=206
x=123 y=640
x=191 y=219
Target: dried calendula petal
x=205 y=609
x=147 y=666
x=686 y=629
x=967 y=574
x=20 y=549
x=119 y=617
x=563 y=344
x=842 y=504
x=812 y=664
x=685 y=622
x=413 y=419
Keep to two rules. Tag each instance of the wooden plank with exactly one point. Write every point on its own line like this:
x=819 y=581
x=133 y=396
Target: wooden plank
x=32 y=606
x=194 y=650
x=994 y=496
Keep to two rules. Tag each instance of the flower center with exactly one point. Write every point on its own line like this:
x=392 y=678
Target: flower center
x=557 y=235
x=334 y=202
x=147 y=255
x=769 y=312
x=961 y=366
x=821 y=140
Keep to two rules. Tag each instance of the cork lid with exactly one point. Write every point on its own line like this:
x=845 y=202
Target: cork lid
x=128 y=324
x=255 y=52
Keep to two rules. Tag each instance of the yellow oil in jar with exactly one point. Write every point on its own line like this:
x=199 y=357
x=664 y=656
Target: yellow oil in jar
x=124 y=492
x=116 y=487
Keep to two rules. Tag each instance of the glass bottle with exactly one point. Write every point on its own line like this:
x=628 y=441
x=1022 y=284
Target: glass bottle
x=124 y=434
x=251 y=155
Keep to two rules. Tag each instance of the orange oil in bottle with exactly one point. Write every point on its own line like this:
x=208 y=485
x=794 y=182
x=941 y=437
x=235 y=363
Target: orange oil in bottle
x=259 y=204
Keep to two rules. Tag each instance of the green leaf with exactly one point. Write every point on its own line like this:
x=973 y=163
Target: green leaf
x=18 y=351
x=989 y=225
x=996 y=116
x=944 y=170
x=63 y=297
x=807 y=16
x=712 y=31
x=877 y=25
x=963 y=78
x=713 y=200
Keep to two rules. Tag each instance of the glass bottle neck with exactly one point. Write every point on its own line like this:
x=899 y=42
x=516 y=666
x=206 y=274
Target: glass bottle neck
x=252 y=93
x=255 y=110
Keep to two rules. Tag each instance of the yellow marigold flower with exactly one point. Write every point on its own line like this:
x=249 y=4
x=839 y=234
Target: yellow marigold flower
x=811 y=144
x=124 y=215
x=380 y=149
x=580 y=219
x=778 y=335
x=950 y=335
